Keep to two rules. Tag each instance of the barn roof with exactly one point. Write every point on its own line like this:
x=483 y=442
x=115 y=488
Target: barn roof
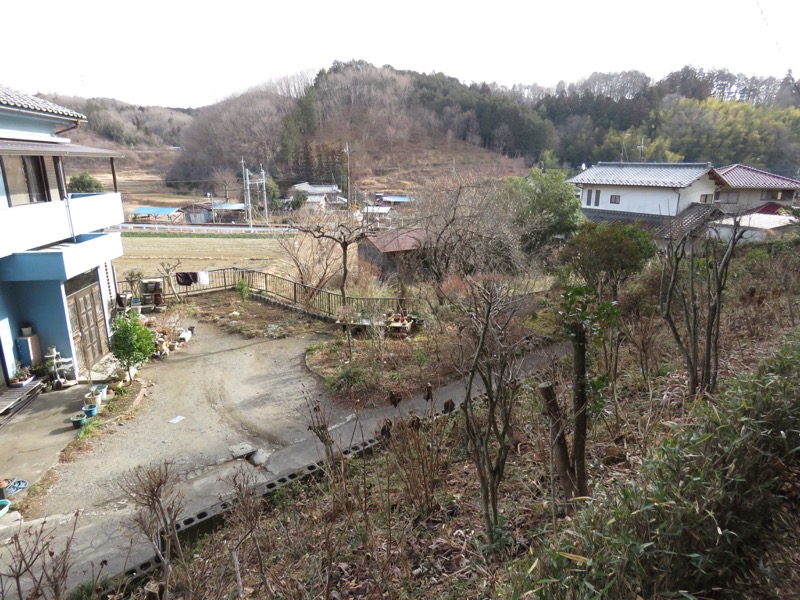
x=397 y=240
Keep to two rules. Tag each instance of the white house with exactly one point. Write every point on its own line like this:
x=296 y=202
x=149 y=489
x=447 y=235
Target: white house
x=55 y=259
x=648 y=189
x=319 y=197
x=744 y=188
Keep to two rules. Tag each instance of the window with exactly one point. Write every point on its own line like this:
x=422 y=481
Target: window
x=614 y=199
x=588 y=197
x=34 y=173
x=772 y=195
x=25 y=179
x=706 y=198
x=726 y=197
x=597 y=197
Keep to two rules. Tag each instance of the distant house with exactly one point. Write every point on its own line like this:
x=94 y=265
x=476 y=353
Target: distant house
x=55 y=257
x=393 y=251
x=744 y=188
x=319 y=197
x=670 y=199
x=648 y=189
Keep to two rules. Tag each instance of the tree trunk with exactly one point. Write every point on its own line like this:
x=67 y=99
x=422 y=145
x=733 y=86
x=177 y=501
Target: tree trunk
x=579 y=407
x=558 y=441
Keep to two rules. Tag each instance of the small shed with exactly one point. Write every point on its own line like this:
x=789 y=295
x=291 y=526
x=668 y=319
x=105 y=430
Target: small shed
x=393 y=251
x=376 y=215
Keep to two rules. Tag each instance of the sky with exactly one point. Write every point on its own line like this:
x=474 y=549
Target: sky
x=188 y=54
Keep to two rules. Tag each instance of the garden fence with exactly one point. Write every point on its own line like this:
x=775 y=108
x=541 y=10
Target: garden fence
x=296 y=294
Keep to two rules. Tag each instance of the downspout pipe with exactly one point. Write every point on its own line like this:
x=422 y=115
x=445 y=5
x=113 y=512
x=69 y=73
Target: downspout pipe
x=77 y=124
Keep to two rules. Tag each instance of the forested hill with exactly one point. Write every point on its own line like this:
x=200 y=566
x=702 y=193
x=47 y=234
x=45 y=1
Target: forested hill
x=403 y=127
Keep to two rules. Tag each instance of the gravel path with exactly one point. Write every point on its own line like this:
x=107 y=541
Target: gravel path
x=228 y=389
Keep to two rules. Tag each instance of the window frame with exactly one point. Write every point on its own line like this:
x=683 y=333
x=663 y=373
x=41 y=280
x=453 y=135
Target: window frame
x=726 y=197
x=30 y=179
x=615 y=199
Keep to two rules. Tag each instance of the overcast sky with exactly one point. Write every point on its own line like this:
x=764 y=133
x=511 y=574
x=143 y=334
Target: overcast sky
x=192 y=53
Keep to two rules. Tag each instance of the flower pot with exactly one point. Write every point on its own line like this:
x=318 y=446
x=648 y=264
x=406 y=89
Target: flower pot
x=101 y=389
x=78 y=420
x=93 y=398
x=90 y=410
x=26 y=331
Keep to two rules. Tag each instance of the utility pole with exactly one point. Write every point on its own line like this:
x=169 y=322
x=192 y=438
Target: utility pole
x=347 y=151
x=264 y=184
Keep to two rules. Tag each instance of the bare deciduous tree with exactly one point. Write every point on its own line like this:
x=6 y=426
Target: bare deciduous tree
x=315 y=261
x=154 y=492
x=694 y=277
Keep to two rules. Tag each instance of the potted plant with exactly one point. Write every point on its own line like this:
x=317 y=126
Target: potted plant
x=22 y=376
x=78 y=420
x=26 y=328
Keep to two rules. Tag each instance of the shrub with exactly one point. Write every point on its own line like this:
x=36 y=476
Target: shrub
x=243 y=289
x=83 y=182
x=700 y=503
x=131 y=342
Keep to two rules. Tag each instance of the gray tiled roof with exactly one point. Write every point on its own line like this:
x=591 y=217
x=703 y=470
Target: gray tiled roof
x=672 y=175
x=14 y=99
x=744 y=177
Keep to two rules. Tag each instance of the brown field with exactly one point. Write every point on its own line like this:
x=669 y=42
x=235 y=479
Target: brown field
x=201 y=254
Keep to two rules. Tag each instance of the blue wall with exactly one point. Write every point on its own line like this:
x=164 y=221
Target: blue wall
x=41 y=303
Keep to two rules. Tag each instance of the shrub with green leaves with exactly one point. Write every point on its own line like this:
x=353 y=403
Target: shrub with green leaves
x=243 y=289
x=84 y=182
x=685 y=526
x=131 y=343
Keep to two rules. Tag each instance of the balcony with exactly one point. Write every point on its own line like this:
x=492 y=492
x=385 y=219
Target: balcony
x=62 y=261
x=41 y=224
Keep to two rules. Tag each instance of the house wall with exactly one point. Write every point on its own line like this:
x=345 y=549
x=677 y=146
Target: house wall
x=367 y=252
x=18 y=126
x=648 y=200
x=750 y=199
x=41 y=303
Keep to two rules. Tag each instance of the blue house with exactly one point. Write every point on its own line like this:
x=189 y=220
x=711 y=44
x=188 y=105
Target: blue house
x=55 y=260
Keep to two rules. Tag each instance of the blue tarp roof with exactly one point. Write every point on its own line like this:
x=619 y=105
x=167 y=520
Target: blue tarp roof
x=398 y=199
x=155 y=210
x=228 y=206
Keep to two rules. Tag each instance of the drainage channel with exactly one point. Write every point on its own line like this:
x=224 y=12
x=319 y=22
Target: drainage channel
x=212 y=517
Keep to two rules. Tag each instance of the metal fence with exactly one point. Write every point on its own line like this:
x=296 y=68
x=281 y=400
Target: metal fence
x=291 y=292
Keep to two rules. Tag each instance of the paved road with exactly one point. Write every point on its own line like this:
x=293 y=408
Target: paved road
x=229 y=390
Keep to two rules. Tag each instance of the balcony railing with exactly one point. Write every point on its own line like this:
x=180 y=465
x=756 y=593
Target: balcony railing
x=42 y=223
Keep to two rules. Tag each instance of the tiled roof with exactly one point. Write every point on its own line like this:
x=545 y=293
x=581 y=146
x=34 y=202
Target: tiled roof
x=769 y=208
x=648 y=222
x=397 y=240
x=744 y=177
x=691 y=220
x=671 y=175
x=14 y=99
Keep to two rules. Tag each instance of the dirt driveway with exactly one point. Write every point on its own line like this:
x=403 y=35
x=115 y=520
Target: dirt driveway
x=227 y=389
